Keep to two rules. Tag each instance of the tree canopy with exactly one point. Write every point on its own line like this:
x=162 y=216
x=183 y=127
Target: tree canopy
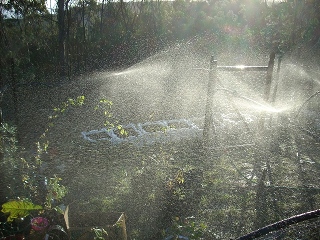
x=84 y=35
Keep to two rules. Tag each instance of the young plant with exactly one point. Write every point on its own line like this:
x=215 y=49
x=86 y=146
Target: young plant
x=105 y=105
x=99 y=233
x=185 y=229
x=56 y=191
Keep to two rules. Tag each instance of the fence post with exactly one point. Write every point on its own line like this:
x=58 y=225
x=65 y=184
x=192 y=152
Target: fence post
x=269 y=77
x=208 y=129
x=267 y=91
x=274 y=95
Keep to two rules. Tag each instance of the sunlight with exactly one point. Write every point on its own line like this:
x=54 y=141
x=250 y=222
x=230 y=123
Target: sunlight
x=240 y=67
x=275 y=1
x=167 y=113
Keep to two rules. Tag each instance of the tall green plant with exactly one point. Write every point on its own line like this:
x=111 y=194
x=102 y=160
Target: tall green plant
x=44 y=190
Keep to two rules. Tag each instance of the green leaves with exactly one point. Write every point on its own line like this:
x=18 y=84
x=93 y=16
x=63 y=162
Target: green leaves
x=104 y=105
x=79 y=101
x=187 y=227
x=56 y=191
x=19 y=209
x=99 y=233
x=122 y=131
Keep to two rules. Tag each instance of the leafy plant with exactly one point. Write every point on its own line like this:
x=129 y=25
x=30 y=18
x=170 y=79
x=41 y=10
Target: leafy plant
x=10 y=162
x=105 y=105
x=56 y=191
x=39 y=188
x=19 y=209
x=79 y=101
x=99 y=233
x=185 y=229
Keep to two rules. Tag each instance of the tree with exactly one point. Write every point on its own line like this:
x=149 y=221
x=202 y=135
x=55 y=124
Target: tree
x=61 y=38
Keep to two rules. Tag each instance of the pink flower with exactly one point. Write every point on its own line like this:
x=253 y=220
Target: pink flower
x=39 y=223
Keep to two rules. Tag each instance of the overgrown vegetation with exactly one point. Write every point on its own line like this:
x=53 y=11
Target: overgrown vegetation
x=166 y=190
x=180 y=189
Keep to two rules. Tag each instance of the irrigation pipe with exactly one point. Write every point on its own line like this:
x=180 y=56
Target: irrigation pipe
x=281 y=224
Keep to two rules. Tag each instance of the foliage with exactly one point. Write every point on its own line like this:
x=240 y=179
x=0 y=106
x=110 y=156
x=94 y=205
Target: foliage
x=8 y=144
x=99 y=233
x=25 y=7
x=115 y=33
x=19 y=209
x=55 y=191
x=47 y=190
x=185 y=229
x=104 y=106
x=11 y=163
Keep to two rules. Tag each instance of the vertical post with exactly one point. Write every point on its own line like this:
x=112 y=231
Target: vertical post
x=208 y=129
x=61 y=38
x=2 y=170
x=267 y=90
x=269 y=77
x=1 y=96
x=274 y=95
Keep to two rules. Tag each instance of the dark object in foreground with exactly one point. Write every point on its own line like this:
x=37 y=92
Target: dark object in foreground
x=281 y=224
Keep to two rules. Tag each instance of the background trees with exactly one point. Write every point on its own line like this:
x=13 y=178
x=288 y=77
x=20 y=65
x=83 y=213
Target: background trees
x=77 y=36
x=83 y=35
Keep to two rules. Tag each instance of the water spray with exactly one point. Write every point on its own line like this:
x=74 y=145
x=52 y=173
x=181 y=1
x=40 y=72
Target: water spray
x=212 y=88
x=259 y=105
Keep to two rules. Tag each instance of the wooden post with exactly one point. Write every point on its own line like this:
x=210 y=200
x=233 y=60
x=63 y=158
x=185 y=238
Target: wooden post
x=267 y=92
x=274 y=95
x=208 y=129
x=269 y=77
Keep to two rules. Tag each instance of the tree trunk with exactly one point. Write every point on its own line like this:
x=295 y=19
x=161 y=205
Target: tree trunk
x=101 y=16
x=61 y=39
x=2 y=170
x=2 y=67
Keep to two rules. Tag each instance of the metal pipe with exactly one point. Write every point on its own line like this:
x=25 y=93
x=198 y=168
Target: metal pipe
x=242 y=68
x=237 y=68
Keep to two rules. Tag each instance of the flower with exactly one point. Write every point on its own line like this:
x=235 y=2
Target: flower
x=39 y=223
